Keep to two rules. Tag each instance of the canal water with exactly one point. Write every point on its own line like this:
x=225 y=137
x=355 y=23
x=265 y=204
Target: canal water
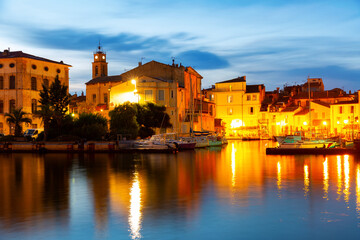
x=233 y=192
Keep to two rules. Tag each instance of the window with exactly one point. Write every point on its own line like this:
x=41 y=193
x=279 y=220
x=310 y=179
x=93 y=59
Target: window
x=12 y=82
x=58 y=70
x=248 y=97
x=323 y=115
x=34 y=126
x=46 y=83
x=340 y=109
x=230 y=99
x=212 y=97
x=148 y=95
x=1 y=106
x=105 y=98
x=1 y=82
x=211 y=110
x=33 y=83
x=33 y=66
x=1 y=65
x=351 y=109
x=11 y=105
x=96 y=70
x=251 y=110
x=230 y=111
x=94 y=98
x=172 y=93
x=46 y=69
x=161 y=96
x=254 y=97
x=12 y=65
x=33 y=106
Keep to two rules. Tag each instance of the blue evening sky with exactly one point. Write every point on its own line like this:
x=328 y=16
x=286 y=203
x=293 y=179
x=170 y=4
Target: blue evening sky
x=270 y=41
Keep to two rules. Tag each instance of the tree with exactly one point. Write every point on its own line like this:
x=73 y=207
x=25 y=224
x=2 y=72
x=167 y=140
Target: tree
x=17 y=117
x=123 y=120
x=90 y=126
x=54 y=105
x=150 y=116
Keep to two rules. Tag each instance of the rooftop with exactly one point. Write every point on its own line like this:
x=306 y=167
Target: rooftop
x=20 y=54
x=238 y=79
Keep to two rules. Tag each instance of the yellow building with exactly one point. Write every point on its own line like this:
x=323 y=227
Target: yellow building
x=21 y=78
x=238 y=105
x=174 y=86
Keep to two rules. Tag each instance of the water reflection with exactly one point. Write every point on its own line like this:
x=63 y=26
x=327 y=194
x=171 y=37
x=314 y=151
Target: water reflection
x=135 y=208
x=134 y=196
x=326 y=178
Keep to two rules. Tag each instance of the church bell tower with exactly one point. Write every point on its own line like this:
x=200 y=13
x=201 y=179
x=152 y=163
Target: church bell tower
x=99 y=66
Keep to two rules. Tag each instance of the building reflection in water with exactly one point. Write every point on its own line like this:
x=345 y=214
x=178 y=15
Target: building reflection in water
x=306 y=180
x=347 y=178
x=339 y=177
x=279 y=178
x=135 y=207
x=358 y=192
x=233 y=164
x=326 y=178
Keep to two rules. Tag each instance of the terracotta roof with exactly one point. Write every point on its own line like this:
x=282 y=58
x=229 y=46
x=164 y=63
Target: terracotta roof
x=321 y=103
x=290 y=109
x=346 y=102
x=302 y=112
x=20 y=54
x=105 y=79
x=238 y=79
x=324 y=94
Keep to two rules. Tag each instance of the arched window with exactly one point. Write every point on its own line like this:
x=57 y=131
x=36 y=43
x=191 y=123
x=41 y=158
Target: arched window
x=33 y=105
x=46 y=83
x=1 y=82
x=12 y=82
x=33 y=83
x=96 y=70
x=11 y=105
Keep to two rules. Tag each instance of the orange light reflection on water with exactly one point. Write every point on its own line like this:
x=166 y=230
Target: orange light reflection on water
x=233 y=164
x=326 y=178
x=347 y=179
x=339 y=177
x=135 y=208
x=306 y=180
x=279 y=178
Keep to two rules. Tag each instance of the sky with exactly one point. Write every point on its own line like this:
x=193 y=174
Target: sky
x=272 y=42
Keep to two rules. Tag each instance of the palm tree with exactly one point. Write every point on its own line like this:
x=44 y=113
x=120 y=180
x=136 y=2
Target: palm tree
x=17 y=117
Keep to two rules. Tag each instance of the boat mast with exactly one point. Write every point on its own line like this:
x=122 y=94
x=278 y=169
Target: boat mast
x=310 y=125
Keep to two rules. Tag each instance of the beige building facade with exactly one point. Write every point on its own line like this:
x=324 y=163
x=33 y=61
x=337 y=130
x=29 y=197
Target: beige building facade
x=21 y=78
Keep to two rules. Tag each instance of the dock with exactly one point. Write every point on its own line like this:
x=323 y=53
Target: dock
x=310 y=151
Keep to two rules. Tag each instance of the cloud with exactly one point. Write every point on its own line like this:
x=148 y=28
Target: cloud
x=202 y=60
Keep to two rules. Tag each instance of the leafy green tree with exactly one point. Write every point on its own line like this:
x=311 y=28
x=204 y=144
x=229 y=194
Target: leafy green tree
x=90 y=126
x=54 y=105
x=17 y=117
x=123 y=120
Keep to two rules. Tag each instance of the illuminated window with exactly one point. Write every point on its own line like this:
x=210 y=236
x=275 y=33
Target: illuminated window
x=230 y=99
x=1 y=82
x=12 y=82
x=149 y=95
x=11 y=105
x=248 y=98
x=254 y=97
x=94 y=98
x=161 y=96
x=230 y=111
x=212 y=97
x=33 y=106
x=33 y=83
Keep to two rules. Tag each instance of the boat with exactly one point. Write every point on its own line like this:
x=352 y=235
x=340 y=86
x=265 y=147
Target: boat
x=200 y=141
x=149 y=145
x=214 y=141
x=170 y=138
x=299 y=141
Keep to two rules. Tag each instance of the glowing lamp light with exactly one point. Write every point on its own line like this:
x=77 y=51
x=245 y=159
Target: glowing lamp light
x=236 y=123
x=133 y=81
x=305 y=123
x=338 y=122
x=324 y=123
x=73 y=114
x=101 y=110
x=346 y=121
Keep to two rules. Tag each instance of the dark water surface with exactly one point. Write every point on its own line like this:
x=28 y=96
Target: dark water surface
x=234 y=192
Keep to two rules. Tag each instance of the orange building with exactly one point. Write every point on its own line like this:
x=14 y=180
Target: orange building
x=21 y=78
x=176 y=87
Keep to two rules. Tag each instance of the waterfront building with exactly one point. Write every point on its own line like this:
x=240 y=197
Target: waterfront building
x=21 y=78
x=238 y=105
x=176 y=87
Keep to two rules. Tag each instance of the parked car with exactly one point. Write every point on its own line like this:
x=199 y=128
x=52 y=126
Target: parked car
x=31 y=133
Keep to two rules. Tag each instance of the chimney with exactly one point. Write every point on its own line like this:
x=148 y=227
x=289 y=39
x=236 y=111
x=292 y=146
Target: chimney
x=277 y=90
x=6 y=52
x=140 y=64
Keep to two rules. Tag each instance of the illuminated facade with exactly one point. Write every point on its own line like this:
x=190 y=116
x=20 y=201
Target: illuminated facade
x=176 y=87
x=238 y=105
x=21 y=78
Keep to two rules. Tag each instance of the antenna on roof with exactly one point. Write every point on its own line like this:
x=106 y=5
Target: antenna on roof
x=173 y=61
